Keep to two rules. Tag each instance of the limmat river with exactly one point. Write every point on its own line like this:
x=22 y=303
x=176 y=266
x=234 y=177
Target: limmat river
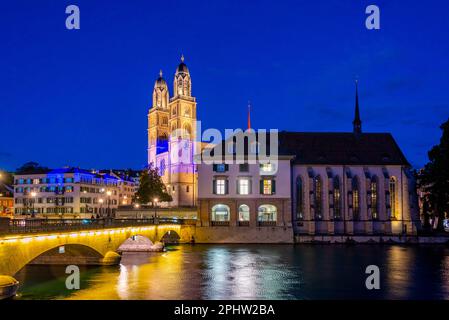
x=253 y=272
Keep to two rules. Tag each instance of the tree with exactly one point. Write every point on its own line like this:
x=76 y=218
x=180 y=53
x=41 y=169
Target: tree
x=31 y=167
x=434 y=178
x=151 y=187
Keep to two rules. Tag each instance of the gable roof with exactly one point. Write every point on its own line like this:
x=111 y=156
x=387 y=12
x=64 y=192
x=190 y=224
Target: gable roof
x=341 y=148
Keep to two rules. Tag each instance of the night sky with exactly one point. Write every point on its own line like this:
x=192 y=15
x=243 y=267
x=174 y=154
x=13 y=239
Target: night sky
x=81 y=97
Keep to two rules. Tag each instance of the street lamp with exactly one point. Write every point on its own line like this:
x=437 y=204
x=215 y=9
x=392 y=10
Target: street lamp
x=136 y=206
x=155 y=200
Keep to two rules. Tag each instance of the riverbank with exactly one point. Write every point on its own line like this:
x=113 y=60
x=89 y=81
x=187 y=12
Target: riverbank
x=371 y=239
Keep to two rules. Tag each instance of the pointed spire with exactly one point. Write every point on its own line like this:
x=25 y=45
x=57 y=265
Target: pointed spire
x=160 y=73
x=357 y=123
x=249 y=115
x=182 y=58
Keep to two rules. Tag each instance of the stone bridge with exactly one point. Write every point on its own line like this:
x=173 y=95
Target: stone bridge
x=97 y=244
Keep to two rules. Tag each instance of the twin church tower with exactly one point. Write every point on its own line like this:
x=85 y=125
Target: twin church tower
x=171 y=136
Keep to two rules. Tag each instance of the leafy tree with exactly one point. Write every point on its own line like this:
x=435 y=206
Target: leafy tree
x=31 y=167
x=151 y=187
x=6 y=178
x=434 y=178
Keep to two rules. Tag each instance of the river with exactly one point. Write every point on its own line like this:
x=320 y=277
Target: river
x=253 y=272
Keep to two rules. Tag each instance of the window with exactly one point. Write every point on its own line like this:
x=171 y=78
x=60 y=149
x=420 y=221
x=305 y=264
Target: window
x=162 y=167
x=355 y=199
x=243 y=186
x=317 y=203
x=299 y=199
x=266 y=167
x=244 y=213
x=267 y=212
x=220 y=186
x=267 y=186
x=220 y=212
x=374 y=199
x=337 y=198
x=244 y=167
x=187 y=188
x=393 y=206
x=220 y=167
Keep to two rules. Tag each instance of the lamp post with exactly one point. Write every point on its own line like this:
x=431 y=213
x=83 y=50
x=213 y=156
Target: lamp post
x=136 y=206
x=155 y=200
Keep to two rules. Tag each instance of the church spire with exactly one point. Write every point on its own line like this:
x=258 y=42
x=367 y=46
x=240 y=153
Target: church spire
x=357 y=123
x=249 y=115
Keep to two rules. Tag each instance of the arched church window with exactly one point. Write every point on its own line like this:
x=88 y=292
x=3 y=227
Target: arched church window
x=187 y=131
x=180 y=87
x=393 y=213
x=299 y=199
x=374 y=198
x=318 y=197
x=337 y=198
x=355 y=199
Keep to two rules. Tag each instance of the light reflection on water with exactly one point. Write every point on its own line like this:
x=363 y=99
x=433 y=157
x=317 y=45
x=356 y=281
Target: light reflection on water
x=253 y=272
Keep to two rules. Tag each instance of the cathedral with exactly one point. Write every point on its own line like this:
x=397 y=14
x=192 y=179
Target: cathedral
x=171 y=136
x=331 y=184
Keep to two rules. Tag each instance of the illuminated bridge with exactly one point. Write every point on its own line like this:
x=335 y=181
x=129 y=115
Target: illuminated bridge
x=77 y=241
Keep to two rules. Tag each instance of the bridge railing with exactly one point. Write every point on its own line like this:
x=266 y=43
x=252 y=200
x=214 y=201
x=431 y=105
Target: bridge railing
x=19 y=226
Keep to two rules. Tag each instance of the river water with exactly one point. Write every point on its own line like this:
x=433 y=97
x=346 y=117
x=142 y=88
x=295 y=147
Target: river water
x=253 y=272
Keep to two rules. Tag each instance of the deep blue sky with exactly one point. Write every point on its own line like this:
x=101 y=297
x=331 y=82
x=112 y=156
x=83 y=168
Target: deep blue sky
x=81 y=97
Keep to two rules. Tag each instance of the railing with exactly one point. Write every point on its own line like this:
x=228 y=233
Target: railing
x=18 y=226
x=219 y=223
x=243 y=223
x=266 y=223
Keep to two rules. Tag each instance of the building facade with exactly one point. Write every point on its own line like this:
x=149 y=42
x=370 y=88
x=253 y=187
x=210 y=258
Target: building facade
x=127 y=182
x=6 y=200
x=66 y=192
x=332 y=186
x=247 y=202
x=364 y=188
x=171 y=136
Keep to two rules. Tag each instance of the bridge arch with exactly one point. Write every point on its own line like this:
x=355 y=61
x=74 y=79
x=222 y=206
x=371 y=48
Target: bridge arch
x=171 y=237
x=136 y=242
